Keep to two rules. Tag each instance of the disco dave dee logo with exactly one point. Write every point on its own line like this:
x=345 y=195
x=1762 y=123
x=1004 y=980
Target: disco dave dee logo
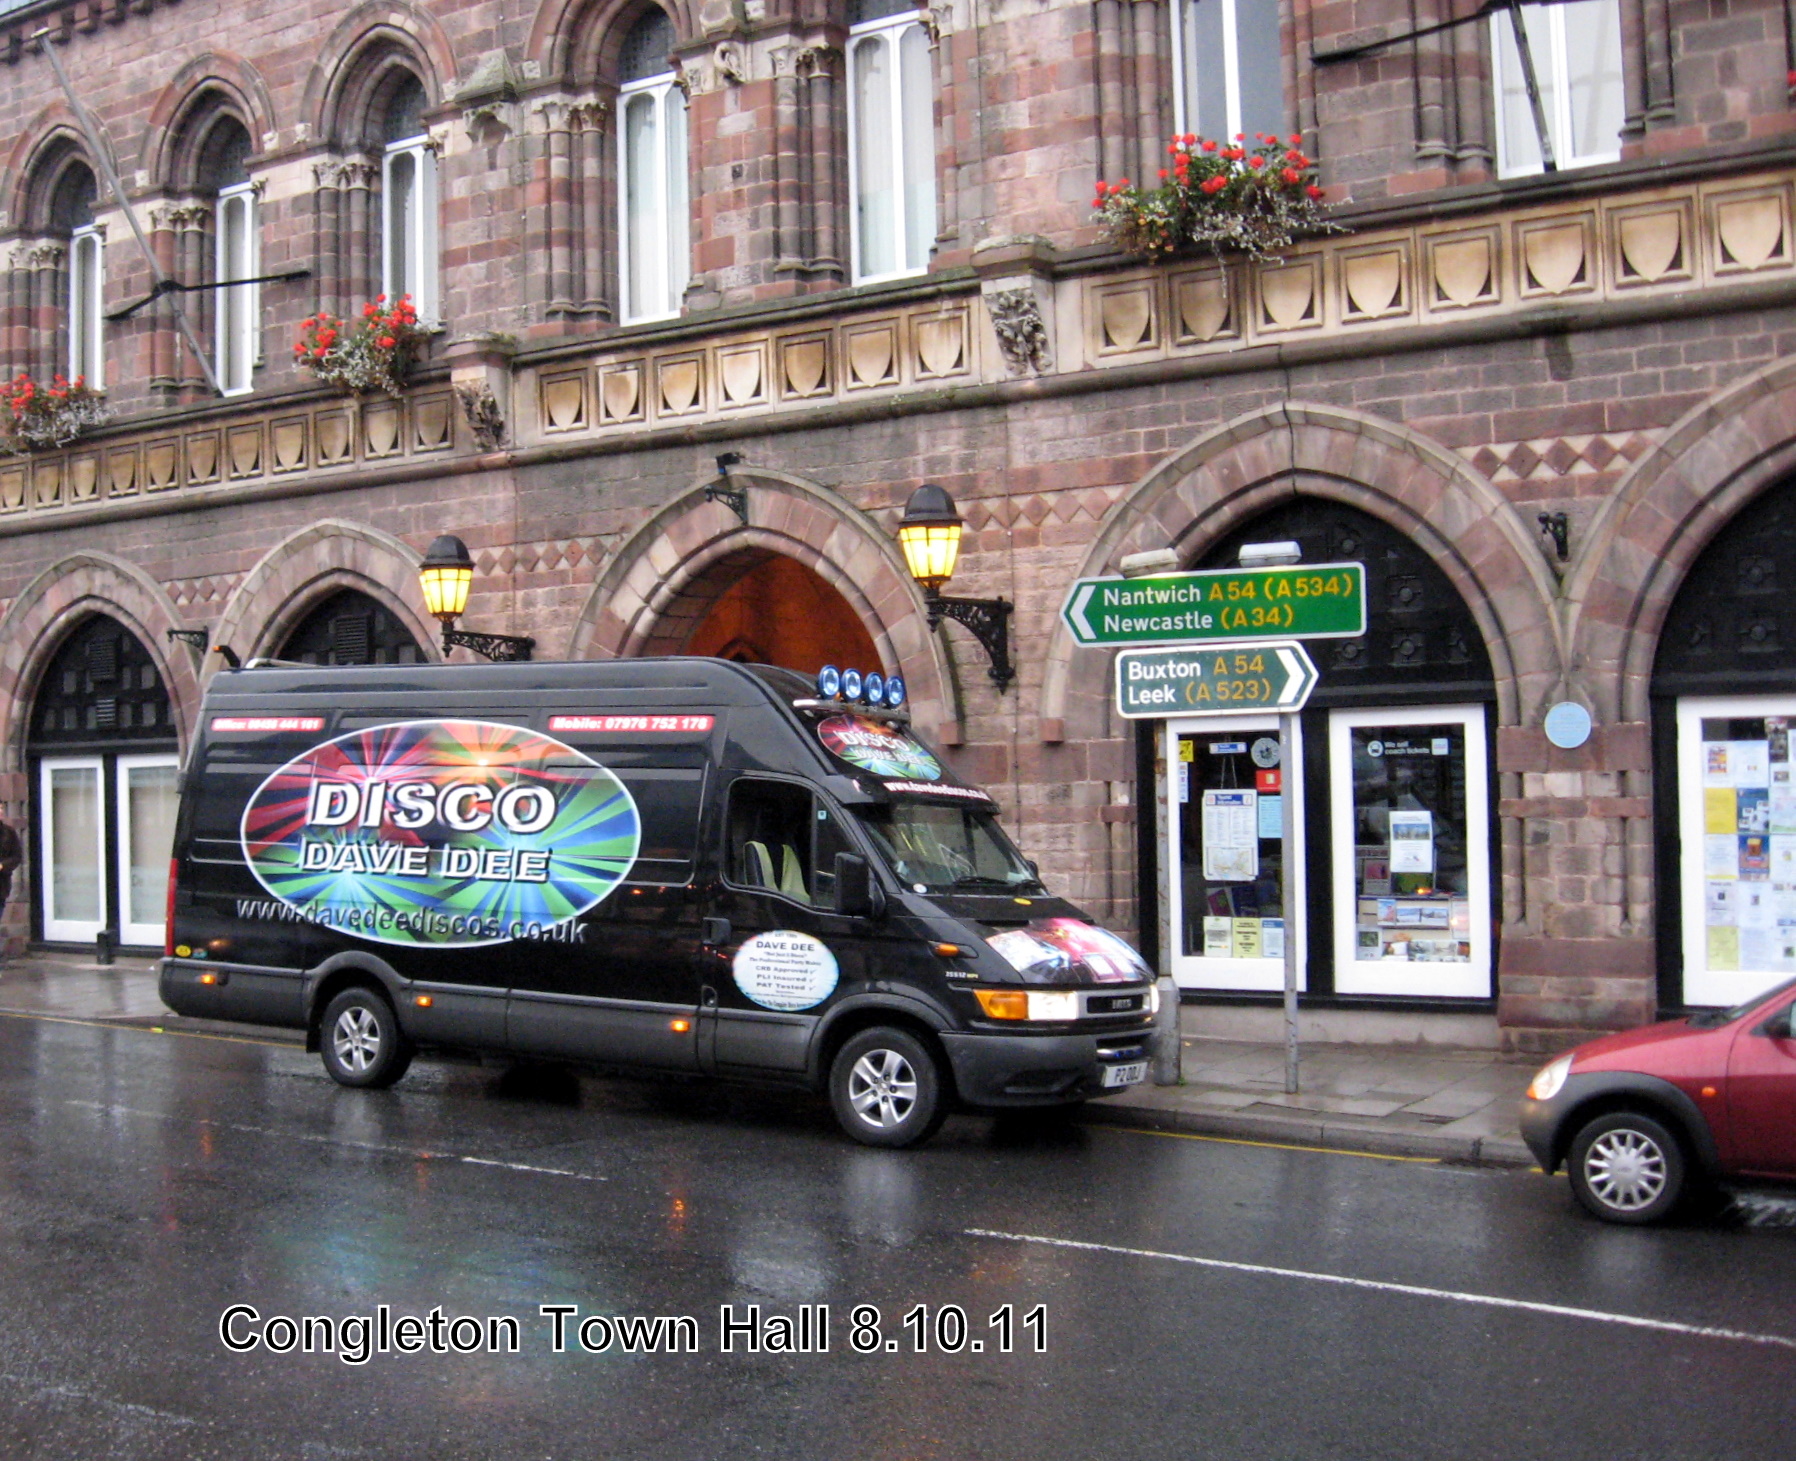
x=442 y=832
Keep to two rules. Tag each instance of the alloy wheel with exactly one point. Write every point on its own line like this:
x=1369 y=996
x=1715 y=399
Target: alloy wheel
x=882 y=1088
x=356 y=1039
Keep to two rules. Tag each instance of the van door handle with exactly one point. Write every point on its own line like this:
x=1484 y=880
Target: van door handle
x=716 y=932
x=707 y=998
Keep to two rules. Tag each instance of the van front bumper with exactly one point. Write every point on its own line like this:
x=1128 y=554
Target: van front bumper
x=1041 y=1070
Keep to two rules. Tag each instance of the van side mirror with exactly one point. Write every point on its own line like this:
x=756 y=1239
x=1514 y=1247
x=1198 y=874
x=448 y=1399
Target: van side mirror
x=857 y=894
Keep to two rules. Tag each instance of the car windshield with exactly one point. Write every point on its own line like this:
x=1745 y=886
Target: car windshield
x=936 y=848
x=1715 y=1019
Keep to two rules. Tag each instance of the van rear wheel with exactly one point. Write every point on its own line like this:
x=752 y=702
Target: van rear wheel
x=361 y=1041
x=887 y=1088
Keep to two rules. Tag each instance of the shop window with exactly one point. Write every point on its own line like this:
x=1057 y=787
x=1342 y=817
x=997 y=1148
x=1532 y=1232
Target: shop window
x=1231 y=70
x=350 y=628
x=891 y=126
x=408 y=203
x=72 y=217
x=1577 y=61
x=654 y=245
x=784 y=840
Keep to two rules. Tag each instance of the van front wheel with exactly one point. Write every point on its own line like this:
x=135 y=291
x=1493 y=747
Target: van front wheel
x=886 y=1088
x=361 y=1041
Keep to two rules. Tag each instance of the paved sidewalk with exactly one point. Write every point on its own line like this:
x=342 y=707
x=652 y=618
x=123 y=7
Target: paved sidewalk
x=1457 y=1105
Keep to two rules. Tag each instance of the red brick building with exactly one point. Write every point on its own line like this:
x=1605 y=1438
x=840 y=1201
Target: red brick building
x=1551 y=410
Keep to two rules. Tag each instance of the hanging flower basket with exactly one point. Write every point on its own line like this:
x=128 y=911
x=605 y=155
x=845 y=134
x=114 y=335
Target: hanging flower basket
x=376 y=353
x=42 y=418
x=1225 y=197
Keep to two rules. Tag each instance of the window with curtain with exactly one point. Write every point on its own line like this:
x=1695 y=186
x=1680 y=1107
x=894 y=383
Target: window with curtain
x=237 y=313
x=654 y=204
x=891 y=125
x=72 y=217
x=408 y=203
x=1577 y=63
x=1230 y=76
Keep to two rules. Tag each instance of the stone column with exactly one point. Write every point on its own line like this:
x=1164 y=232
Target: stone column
x=817 y=65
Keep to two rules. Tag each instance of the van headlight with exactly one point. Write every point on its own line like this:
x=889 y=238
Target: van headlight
x=1153 y=998
x=1546 y=1084
x=1033 y=1004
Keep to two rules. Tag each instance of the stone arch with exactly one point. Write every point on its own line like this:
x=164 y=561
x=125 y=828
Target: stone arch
x=206 y=85
x=1235 y=472
x=1714 y=460
x=312 y=564
x=653 y=589
x=43 y=152
x=53 y=603
x=576 y=40
x=355 y=63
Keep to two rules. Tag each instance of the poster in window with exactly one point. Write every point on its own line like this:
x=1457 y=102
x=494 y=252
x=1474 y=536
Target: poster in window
x=1749 y=761
x=1752 y=809
x=1755 y=856
x=1231 y=836
x=1412 y=842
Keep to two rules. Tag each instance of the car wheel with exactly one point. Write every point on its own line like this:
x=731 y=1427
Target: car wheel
x=886 y=1088
x=361 y=1041
x=1626 y=1167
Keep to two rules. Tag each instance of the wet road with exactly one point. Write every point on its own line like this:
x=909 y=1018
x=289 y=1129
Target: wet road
x=1200 y=1298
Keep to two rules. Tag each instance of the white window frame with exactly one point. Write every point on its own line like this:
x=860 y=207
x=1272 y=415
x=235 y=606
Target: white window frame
x=1553 y=71
x=237 y=309
x=71 y=930
x=141 y=934
x=419 y=242
x=888 y=31
x=1701 y=985
x=1196 y=971
x=1470 y=980
x=86 y=316
x=1231 y=67
x=670 y=219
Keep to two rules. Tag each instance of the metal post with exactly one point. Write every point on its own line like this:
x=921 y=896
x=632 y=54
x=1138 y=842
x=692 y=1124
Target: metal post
x=1287 y=787
x=1525 y=53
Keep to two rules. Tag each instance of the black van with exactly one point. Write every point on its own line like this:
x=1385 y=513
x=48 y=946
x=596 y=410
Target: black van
x=681 y=864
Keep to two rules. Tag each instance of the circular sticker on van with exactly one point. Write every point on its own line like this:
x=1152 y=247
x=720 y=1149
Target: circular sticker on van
x=784 y=970
x=882 y=749
x=445 y=833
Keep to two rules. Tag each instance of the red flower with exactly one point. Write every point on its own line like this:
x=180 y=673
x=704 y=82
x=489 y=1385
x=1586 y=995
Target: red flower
x=1164 y=174
x=1210 y=146
x=1256 y=161
x=1125 y=183
x=386 y=342
x=1313 y=191
x=1295 y=141
x=1295 y=157
x=1215 y=184
x=319 y=353
x=1291 y=175
x=369 y=311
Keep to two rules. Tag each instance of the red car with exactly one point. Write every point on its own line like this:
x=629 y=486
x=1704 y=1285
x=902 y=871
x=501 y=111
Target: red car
x=1644 y=1117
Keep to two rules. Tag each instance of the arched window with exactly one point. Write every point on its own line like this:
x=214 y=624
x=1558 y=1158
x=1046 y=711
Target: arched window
x=1230 y=69
x=891 y=127
x=654 y=203
x=408 y=200
x=350 y=628
x=223 y=175
x=72 y=218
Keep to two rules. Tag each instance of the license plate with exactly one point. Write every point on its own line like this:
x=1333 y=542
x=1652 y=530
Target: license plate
x=1125 y=1075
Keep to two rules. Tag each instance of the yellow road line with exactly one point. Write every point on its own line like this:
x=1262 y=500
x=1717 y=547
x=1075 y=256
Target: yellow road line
x=1277 y=1146
x=146 y=1029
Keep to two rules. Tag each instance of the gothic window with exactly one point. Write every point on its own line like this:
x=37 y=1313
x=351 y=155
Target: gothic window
x=1230 y=68
x=72 y=217
x=891 y=125
x=237 y=308
x=408 y=201
x=350 y=628
x=1576 y=50
x=101 y=686
x=654 y=243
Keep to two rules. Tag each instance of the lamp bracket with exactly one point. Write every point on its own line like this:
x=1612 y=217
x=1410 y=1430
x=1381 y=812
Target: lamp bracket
x=493 y=646
x=197 y=639
x=989 y=622
x=734 y=498
x=1557 y=526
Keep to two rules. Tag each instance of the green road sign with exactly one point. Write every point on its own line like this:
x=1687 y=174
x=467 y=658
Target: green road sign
x=1304 y=601
x=1223 y=679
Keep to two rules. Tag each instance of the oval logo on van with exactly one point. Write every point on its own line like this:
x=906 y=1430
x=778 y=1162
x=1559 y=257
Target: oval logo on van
x=444 y=833
x=878 y=748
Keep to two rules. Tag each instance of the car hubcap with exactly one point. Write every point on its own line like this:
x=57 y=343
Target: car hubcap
x=882 y=1087
x=357 y=1039
x=1625 y=1170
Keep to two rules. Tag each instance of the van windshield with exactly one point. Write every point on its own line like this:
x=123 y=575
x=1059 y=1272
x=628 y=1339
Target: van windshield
x=938 y=848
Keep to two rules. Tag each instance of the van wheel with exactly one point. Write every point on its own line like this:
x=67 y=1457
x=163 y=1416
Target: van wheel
x=886 y=1088
x=361 y=1041
x=1626 y=1168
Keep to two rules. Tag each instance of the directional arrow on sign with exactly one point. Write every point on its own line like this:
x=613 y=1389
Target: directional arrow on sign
x=1214 y=679
x=1303 y=601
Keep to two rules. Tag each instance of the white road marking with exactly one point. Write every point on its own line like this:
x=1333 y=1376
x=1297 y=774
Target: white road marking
x=1562 y=1311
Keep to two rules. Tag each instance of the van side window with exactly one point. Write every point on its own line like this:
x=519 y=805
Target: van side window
x=784 y=839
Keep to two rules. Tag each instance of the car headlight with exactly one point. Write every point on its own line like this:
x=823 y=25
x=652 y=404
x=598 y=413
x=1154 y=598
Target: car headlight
x=1153 y=998
x=1053 y=1004
x=1033 y=1004
x=1546 y=1084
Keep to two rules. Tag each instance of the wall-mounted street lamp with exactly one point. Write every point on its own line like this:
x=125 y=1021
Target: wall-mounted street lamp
x=731 y=496
x=446 y=574
x=929 y=534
